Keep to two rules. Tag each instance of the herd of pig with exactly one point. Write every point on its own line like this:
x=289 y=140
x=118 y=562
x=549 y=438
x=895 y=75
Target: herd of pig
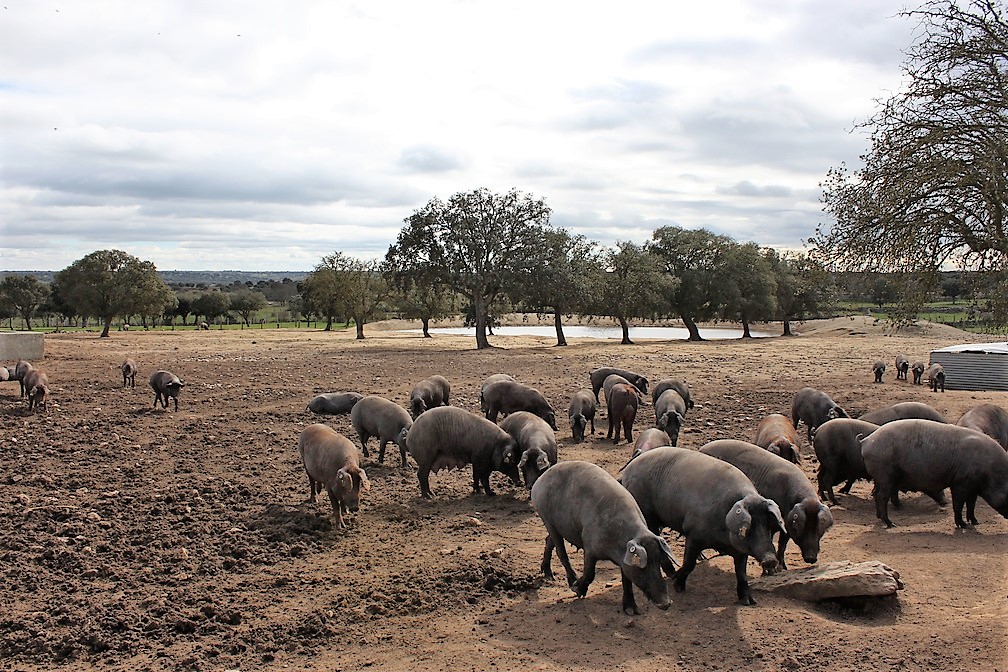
x=34 y=384
x=731 y=496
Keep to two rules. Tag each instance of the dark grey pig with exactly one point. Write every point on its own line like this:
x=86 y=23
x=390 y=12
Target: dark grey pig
x=936 y=377
x=429 y=393
x=581 y=412
x=926 y=456
x=599 y=375
x=330 y=461
x=670 y=411
x=711 y=503
x=581 y=503
x=648 y=439
x=165 y=384
x=813 y=407
x=902 y=411
x=491 y=379
x=878 y=368
x=129 y=371
x=377 y=416
x=806 y=519
x=333 y=403
x=507 y=396
x=837 y=445
x=918 y=371
x=536 y=444
x=902 y=367
x=449 y=437
x=679 y=386
x=990 y=419
x=19 y=372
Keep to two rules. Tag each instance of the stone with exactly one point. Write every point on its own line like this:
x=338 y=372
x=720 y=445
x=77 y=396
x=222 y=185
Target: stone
x=832 y=580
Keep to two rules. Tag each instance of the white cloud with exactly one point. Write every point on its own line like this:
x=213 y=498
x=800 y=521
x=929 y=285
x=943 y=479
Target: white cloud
x=263 y=135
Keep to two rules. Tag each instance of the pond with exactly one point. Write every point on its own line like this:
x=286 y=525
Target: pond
x=600 y=331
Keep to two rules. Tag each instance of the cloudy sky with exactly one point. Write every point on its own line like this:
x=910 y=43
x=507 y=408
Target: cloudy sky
x=263 y=135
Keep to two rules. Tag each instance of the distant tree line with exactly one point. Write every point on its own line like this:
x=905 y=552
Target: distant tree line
x=480 y=254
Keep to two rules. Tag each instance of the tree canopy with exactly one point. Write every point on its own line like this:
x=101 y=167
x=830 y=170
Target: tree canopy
x=23 y=295
x=107 y=283
x=933 y=187
x=478 y=243
x=629 y=284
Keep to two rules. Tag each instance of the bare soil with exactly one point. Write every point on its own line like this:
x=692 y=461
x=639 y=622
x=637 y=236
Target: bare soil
x=134 y=538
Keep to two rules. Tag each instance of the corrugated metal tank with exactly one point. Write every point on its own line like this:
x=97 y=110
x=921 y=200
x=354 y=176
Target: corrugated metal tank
x=975 y=366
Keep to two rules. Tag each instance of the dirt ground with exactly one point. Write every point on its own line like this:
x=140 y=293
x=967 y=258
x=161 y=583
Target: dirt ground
x=142 y=539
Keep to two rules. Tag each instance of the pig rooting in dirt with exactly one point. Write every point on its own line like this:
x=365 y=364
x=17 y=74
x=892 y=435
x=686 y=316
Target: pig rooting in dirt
x=377 y=416
x=449 y=437
x=165 y=384
x=581 y=503
x=990 y=419
x=330 y=461
x=536 y=444
x=776 y=434
x=711 y=503
x=333 y=403
x=581 y=412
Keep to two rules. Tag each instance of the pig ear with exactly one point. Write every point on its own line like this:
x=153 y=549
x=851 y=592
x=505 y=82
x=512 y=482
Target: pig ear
x=663 y=545
x=635 y=555
x=739 y=520
x=542 y=462
x=825 y=519
x=775 y=512
x=341 y=476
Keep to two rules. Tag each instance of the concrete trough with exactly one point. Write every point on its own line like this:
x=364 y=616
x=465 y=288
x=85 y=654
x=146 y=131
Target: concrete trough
x=974 y=366
x=25 y=345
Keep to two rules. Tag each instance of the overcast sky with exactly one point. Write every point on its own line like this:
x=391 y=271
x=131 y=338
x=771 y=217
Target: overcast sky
x=261 y=136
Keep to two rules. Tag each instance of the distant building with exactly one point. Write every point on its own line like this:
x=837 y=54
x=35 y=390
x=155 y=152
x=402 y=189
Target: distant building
x=974 y=366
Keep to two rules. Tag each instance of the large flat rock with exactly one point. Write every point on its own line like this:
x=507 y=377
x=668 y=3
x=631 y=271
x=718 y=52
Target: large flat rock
x=832 y=580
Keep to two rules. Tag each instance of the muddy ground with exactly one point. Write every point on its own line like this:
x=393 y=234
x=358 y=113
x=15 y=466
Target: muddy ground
x=142 y=539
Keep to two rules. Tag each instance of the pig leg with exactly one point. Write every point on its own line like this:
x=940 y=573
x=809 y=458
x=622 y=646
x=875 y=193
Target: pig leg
x=547 y=570
x=311 y=488
x=781 y=545
x=423 y=475
x=381 y=451
x=970 y=510
x=364 y=436
x=629 y=603
x=882 y=504
x=580 y=586
x=845 y=490
x=690 y=555
x=561 y=550
x=593 y=424
x=742 y=581
x=337 y=506
x=628 y=430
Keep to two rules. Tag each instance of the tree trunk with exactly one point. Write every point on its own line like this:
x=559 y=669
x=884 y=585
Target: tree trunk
x=479 y=307
x=558 y=323
x=328 y=324
x=360 y=328
x=745 y=329
x=625 y=326
x=426 y=327
x=787 y=327
x=694 y=332
x=105 y=330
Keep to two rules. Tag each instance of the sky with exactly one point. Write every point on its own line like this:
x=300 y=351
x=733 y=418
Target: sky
x=253 y=135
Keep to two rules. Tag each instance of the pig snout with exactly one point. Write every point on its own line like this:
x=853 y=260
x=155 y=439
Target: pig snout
x=769 y=563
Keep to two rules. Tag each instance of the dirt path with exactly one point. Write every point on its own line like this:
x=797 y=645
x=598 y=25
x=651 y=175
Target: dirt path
x=137 y=539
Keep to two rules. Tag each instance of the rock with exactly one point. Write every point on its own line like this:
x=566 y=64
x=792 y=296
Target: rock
x=832 y=580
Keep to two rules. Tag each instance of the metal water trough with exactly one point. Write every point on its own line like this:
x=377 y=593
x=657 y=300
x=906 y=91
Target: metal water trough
x=974 y=366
